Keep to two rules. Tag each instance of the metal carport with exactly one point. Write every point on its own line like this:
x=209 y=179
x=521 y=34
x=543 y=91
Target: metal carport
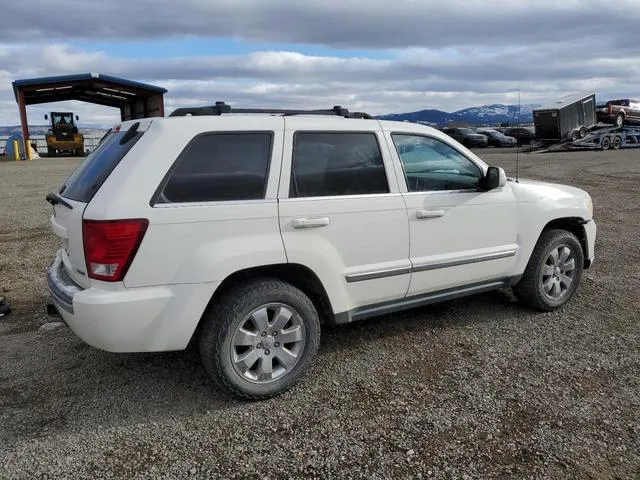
x=134 y=99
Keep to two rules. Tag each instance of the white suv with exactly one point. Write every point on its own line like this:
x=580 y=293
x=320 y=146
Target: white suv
x=243 y=230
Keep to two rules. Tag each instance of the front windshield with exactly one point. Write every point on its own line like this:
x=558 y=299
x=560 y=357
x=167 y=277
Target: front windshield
x=493 y=133
x=466 y=130
x=62 y=118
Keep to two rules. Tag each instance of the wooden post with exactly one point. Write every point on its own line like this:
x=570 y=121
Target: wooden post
x=23 y=122
x=161 y=106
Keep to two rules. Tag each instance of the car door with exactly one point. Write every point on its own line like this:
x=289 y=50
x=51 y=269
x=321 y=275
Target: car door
x=453 y=133
x=341 y=212
x=459 y=234
x=458 y=135
x=634 y=110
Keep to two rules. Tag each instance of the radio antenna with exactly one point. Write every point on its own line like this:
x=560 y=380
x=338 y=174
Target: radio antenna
x=519 y=137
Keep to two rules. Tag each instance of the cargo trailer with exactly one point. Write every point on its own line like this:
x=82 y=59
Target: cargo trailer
x=569 y=118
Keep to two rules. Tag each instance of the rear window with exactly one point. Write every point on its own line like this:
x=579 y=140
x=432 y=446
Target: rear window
x=328 y=164
x=220 y=167
x=89 y=176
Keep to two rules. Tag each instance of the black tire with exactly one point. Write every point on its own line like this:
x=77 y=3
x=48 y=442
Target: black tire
x=575 y=135
x=230 y=311
x=619 y=120
x=51 y=152
x=530 y=290
x=583 y=132
x=606 y=143
x=617 y=142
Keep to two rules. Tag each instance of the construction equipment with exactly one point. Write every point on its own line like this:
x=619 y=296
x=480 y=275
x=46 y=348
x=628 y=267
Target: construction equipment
x=63 y=136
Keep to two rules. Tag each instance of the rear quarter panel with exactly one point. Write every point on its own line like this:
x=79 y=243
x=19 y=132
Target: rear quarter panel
x=191 y=242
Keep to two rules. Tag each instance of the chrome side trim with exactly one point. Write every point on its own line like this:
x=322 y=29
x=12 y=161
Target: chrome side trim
x=422 y=267
x=444 y=192
x=216 y=203
x=389 y=272
x=366 y=196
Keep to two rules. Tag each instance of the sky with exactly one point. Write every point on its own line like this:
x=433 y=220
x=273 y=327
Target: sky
x=378 y=56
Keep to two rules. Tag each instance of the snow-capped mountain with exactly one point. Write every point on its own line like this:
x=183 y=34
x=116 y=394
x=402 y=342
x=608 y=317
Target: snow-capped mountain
x=486 y=114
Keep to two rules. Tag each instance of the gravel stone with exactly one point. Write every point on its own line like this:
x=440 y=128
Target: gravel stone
x=47 y=327
x=482 y=387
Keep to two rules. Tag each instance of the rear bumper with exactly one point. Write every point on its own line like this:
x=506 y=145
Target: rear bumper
x=119 y=319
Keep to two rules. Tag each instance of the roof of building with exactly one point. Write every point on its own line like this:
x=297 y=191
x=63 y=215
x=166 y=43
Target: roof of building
x=87 y=87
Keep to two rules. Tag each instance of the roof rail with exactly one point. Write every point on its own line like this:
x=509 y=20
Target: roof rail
x=220 y=107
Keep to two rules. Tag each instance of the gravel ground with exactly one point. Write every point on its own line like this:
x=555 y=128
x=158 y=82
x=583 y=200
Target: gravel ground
x=474 y=388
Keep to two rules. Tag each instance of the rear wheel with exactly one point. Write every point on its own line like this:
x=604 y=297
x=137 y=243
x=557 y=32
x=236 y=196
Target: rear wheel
x=575 y=135
x=583 y=132
x=619 y=120
x=606 y=143
x=259 y=338
x=617 y=142
x=553 y=272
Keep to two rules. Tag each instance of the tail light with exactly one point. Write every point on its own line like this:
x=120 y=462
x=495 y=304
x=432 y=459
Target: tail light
x=111 y=245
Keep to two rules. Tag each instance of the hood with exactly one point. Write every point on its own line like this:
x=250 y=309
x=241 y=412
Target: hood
x=476 y=135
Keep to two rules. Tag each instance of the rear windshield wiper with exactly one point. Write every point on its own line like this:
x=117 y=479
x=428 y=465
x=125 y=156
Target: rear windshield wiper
x=54 y=199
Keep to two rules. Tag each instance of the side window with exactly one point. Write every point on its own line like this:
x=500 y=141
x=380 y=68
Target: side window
x=432 y=165
x=328 y=164
x=219 y=167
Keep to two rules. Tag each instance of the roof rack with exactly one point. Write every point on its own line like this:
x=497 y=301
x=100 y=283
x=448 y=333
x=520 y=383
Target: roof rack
x=220 y=107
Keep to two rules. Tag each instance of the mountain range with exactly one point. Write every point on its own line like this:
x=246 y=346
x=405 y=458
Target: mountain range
x=484 y=115
x=86 y=129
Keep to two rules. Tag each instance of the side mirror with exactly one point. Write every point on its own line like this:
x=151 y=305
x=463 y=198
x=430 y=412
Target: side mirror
x=494 y=178
x=77 y=118
x=46 y=117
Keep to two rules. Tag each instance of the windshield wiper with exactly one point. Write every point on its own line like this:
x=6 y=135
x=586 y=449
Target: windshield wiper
x=54 y=199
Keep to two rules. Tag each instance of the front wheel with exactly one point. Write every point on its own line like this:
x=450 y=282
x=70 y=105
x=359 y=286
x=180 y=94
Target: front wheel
x=619 y=120
x=259 y=338
x=553 y=272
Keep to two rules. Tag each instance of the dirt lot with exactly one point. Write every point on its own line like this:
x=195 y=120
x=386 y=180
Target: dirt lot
x=473 y=388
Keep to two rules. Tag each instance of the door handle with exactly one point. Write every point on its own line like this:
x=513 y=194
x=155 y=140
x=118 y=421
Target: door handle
x=311 y=222
x=421 y=214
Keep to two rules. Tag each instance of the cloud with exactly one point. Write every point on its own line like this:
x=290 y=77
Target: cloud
x=445 y=55
x=413 y=79
x=337 y=23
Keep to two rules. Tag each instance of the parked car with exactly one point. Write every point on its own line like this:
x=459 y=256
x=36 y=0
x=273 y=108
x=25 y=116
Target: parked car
x=496 y=138
x=523 y=135
x=619 y=112
x=467 y=137
x=242 y=233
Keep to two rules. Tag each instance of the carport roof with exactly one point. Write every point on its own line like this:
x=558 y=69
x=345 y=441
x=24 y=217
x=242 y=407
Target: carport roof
x=88 y=87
